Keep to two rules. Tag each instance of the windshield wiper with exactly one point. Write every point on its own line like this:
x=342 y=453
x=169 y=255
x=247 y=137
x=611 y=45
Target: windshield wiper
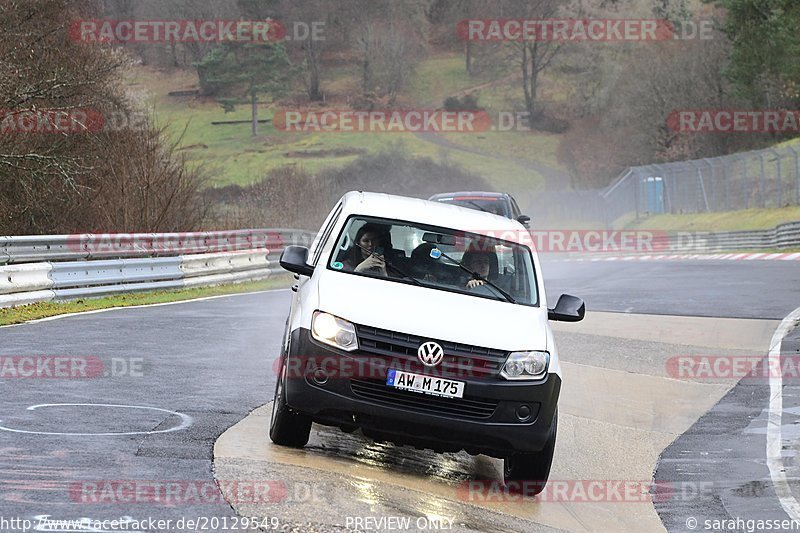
x=477 y=206
x=392 y=266
x=477 y=276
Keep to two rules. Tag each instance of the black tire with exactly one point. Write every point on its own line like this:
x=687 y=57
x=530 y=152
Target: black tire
x=528 y=472
x=287 y=428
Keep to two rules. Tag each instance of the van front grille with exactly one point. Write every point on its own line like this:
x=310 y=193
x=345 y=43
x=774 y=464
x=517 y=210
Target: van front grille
x=459 y=359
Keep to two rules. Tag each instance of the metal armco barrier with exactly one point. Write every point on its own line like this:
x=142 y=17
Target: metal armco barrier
x=62 y=267
x=783 y=236
x=32 y=248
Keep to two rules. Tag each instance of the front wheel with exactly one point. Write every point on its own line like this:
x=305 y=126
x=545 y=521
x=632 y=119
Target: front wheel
x=287 y=428
x=532 y=468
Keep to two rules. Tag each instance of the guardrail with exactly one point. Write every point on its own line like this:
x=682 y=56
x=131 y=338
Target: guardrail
x=782 y=236
x=63 y=267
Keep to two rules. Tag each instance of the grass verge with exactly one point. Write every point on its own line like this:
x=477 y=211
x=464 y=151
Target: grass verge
x=18 y=315
x=746 y=219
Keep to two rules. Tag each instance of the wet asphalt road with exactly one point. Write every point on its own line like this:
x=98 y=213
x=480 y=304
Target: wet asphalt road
x=719 y=465
x=733 y=289
x=209 y=361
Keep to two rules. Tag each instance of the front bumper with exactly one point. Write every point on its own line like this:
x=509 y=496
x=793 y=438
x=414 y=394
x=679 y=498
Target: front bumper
x=486 y=420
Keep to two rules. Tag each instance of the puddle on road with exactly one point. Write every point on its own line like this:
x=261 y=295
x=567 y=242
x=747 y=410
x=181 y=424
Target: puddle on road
x=451 y=468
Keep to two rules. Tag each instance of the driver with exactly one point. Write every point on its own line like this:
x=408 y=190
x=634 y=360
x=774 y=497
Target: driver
x=480 y=263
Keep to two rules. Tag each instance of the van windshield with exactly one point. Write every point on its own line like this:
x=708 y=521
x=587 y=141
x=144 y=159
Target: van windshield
x=436 y=257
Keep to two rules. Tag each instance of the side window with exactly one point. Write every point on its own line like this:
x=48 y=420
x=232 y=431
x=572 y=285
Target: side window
x=505 y=260
x=324 y=233
x=515 y=208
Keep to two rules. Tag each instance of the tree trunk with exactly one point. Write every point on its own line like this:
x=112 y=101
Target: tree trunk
x=530 y=78
x=534 y=89
x=525 y=77
x=366 y=65
x=174 y=53
x=254 y=104
x=312 y=60
x=365 y=77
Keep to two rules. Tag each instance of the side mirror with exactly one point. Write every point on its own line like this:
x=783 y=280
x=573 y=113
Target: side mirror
x=568 y=309
x=294 y=260
x=524 y=219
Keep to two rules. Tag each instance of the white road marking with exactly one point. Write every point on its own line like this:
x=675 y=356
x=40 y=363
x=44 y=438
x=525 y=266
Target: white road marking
x=761 y=256
x=186 y=420
x=777 y=470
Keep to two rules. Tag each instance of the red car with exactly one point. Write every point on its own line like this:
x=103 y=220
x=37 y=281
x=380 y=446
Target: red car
x=498 y=203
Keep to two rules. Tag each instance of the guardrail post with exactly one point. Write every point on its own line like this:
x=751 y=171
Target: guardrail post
x=712 y=189
x=796 y=175
x=779 y=178
x=744 y=181
x=761 y=178
x=701 y=187
x=725 y=186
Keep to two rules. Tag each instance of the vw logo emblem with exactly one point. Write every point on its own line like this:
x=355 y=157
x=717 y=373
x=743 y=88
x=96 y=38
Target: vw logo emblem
x=430 y=353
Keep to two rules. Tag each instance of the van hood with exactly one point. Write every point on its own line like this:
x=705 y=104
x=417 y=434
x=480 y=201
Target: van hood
x=433 y=313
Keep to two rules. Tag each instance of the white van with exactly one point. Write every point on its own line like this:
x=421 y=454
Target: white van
x=426 y=324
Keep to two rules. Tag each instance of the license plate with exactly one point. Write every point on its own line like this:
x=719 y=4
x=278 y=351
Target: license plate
x=425 y=384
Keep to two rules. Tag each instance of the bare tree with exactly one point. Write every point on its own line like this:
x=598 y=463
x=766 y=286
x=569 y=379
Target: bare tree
x=533 y=56
x=57 y=180
x=145 y=186
x=390 y=38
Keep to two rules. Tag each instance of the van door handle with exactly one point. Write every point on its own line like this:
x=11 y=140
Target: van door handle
x=295 y=287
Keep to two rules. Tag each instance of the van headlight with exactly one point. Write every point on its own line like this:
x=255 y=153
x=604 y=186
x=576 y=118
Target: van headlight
x=526 y=365
x=334 y=331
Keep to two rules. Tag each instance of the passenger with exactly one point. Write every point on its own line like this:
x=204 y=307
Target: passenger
x=370 y=238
